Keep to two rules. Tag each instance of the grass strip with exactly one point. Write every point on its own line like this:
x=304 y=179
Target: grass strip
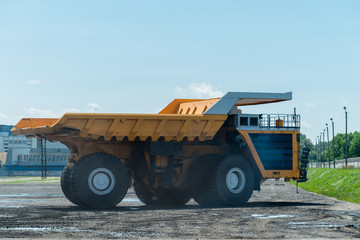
x=343 y=184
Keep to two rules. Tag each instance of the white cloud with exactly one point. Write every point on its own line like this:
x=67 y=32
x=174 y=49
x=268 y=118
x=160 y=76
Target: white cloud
x=343 y=102
x=180 y=92
x=199 y=90
x=33 y=82
x=94 y=107
x=305 y=125
x=35 y=112
x=3 y=116
x=72 y=110
x=310 y=104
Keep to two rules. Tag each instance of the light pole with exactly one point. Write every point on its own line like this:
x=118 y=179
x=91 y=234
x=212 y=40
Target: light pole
x=316 y=145
x=333 y=142
x=327 y=130
x=346 y=140
x=320 y=152
x=324 y=144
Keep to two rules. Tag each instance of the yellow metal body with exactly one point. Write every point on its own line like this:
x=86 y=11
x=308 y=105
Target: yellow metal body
x=171 y=127
x=188 y=106
x=180 y=121
x=182 y=118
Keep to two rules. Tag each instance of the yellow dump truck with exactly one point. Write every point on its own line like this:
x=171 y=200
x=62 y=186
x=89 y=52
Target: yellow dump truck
x=206 y=149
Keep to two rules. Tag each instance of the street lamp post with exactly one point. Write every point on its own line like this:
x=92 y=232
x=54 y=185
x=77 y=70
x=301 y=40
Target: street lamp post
x=324 y=145
x=327 y=130
x=316 y=145
x=346 y=140
x=333 y=142
x=321 y=157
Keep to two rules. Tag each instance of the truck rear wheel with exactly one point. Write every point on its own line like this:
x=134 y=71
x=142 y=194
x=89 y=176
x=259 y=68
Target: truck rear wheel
x=165 y=197
x=66 y=187
x=100 y=180
x=228 y=181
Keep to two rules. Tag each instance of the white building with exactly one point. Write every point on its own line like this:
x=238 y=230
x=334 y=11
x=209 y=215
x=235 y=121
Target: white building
x=23 y=155
x=8 y=142
x=28 y=161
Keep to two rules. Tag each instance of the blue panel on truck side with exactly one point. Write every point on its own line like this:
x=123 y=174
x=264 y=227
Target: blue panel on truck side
x=275 y=150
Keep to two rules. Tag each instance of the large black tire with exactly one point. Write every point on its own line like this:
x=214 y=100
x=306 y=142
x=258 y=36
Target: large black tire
x=66 y=186
x=99 y=180
x=164 y=197
x=142 y=192
x=227 y=181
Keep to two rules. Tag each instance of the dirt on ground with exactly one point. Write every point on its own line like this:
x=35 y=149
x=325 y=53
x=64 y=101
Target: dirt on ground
x=40 y=210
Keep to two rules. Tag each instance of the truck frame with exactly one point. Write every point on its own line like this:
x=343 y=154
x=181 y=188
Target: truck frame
x=205 y=149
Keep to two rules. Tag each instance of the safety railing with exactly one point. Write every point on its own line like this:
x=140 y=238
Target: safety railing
x=270 y=121
x=279 y=121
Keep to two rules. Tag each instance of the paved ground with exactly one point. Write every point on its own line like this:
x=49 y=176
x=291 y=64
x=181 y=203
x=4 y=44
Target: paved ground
x=39 y=210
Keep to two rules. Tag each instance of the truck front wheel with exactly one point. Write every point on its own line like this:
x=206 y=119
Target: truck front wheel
x=229 y=181
x=235 y=179
x=100 y=180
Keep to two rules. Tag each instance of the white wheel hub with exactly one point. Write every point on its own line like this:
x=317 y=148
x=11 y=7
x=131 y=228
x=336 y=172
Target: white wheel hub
x=101 y=181
x=235 y=180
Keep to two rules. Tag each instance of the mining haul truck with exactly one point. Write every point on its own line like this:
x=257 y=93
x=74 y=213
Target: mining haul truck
x=205 y=149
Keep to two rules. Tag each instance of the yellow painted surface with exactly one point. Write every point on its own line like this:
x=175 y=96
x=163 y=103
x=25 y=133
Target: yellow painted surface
x=188 y=106
x=171 y=127
x=36 y=122
x=182 y=118
x=3 y=158
x=198 y=107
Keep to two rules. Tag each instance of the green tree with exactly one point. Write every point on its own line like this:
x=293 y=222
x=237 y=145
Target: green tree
x=353 y=146
x=305 y=142
x=354 y=149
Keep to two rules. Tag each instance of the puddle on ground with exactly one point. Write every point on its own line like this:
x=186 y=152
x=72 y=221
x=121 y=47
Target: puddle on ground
x=130 y=200
x=299 y=223
x=134 y=208
x=60 y=230
x=30 y=195
x=352 y=213
x=191 y=213
x=74 y=230
x=263 y=216
x=10 y=206
x=320 y=225
x=14 y=195
x=20 y=201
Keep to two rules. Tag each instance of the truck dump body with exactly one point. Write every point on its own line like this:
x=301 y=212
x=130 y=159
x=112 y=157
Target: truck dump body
x=170 y=127
x=205 y=149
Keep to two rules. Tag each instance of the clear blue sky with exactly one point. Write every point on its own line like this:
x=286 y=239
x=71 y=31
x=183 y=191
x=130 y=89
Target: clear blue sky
x=136 y=56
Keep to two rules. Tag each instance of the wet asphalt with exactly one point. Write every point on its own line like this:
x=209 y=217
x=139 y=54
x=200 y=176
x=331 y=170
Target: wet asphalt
x=40 y=210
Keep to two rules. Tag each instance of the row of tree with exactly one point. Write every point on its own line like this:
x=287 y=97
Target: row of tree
x=316 y=153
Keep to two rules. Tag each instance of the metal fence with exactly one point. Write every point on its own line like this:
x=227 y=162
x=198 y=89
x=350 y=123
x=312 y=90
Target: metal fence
x=352 y=163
